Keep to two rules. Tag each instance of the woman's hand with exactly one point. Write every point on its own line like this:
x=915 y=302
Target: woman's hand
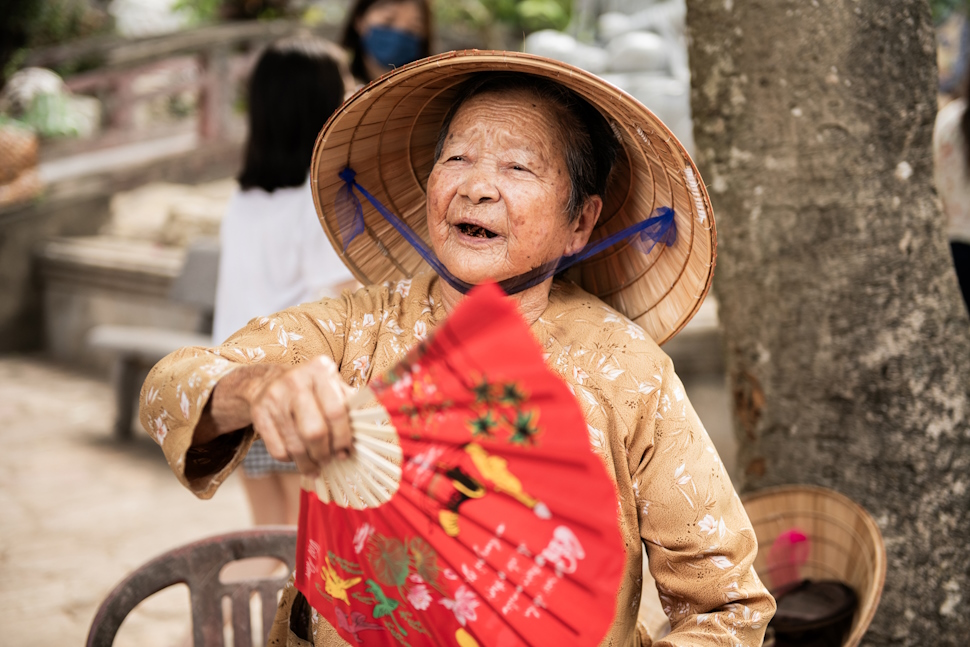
x=300 y=412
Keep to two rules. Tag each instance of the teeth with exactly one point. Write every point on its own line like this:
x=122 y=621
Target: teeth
x=475 y=230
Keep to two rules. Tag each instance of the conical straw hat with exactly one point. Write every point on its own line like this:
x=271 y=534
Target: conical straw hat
x=387 y=133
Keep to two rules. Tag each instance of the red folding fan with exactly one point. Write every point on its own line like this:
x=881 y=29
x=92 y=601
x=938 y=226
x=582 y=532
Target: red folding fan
x=473 y=511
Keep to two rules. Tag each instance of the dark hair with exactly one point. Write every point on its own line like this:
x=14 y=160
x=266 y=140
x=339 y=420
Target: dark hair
x=965 y=119
x=351 y=38
x=296 y=85
x=580 y=124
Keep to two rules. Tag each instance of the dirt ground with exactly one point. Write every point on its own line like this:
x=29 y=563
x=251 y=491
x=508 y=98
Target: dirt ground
x=79 y=510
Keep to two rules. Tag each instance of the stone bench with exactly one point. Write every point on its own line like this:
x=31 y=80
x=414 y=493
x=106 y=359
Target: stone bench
x=137 y=349
x=125 y=304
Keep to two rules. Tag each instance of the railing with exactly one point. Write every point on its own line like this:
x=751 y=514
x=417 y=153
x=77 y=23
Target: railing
x=209 y=60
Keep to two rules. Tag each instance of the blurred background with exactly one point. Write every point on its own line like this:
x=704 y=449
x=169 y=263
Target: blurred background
x=121 y=131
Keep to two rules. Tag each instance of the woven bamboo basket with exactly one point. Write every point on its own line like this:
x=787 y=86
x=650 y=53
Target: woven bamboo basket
x=845 y=542
x=19 y=177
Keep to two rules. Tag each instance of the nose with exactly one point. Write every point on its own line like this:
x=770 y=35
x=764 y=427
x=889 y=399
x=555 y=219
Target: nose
x=479 y=186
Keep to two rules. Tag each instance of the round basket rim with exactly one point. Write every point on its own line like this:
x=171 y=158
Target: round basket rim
x=855 y=637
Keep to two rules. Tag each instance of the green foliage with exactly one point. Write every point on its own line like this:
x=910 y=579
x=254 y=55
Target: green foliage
x=198 y=11
x=519 y=15
x=543 y=14
x=51 y=115
x=10 y=122
x=38 y=23
x=204 y=11
x=59 y=21
x=943 y=8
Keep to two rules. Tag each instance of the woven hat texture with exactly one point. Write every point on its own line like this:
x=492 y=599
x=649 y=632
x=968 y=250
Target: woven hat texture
x=387 y=133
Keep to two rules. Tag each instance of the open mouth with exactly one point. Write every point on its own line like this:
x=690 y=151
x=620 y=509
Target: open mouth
x=475 y=231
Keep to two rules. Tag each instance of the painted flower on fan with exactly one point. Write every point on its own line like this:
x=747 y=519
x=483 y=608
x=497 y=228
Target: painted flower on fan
x=512 y=395
x=526 y=427
x=483 y=425
x=361 y=536
x=419 y=597
x=389 y=559
x=484 y=392
x=424 y=559
x=463 y=606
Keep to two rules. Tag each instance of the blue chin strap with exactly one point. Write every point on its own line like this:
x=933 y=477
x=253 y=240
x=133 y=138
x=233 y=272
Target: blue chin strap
x=660 y=227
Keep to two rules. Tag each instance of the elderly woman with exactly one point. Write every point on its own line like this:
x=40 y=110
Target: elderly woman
x=498 y=166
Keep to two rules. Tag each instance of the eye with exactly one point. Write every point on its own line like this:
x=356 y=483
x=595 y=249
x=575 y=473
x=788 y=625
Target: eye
x=520 y=167
x=456 y=158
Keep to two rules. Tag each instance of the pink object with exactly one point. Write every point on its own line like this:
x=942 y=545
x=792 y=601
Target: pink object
x=785 y=558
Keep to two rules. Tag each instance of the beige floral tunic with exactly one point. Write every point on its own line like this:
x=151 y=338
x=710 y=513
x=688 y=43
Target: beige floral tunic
x=675 y=496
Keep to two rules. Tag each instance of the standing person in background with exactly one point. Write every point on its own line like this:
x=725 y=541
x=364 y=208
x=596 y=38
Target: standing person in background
x=384 y=34
x=274 y=252
x=951 y=161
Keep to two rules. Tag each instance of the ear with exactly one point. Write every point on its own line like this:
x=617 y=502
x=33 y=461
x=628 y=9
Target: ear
x=581 y=229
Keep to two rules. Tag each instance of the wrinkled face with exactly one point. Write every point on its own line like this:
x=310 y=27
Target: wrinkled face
x=497 y=195
x=404 y=16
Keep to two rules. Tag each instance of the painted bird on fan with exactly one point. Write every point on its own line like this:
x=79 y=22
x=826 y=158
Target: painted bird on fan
x=450 y=476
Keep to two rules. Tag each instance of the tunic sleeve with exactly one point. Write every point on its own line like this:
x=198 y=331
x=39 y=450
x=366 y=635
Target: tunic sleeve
x=178 y=388
x=699 y=542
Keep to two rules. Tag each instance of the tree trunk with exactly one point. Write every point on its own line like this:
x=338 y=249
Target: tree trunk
x=847 y=343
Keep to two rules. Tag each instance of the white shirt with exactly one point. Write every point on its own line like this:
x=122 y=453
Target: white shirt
x=951 y=170
x=274 y=255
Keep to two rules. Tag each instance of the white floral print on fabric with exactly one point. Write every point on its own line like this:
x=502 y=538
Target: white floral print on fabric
x=420 y=330
x=403 y=288
x=597 y=440
x=362 y=366
x=184 y=405
x=160 y=427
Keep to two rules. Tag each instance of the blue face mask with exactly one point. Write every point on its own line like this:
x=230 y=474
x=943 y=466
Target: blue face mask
x=391 y=47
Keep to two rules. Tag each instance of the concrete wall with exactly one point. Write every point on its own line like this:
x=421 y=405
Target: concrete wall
x=78 y=207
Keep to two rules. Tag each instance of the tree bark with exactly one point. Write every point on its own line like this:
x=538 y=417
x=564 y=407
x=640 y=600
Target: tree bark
x=847 y=342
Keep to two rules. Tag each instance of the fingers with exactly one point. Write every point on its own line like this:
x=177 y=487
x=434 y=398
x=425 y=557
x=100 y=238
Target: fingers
x=273 y=419
x=302 y=416
x=330 y=393
x=311 y=426
x=264 y=424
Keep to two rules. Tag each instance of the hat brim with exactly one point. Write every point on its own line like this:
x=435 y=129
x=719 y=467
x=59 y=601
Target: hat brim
x=387 y=133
